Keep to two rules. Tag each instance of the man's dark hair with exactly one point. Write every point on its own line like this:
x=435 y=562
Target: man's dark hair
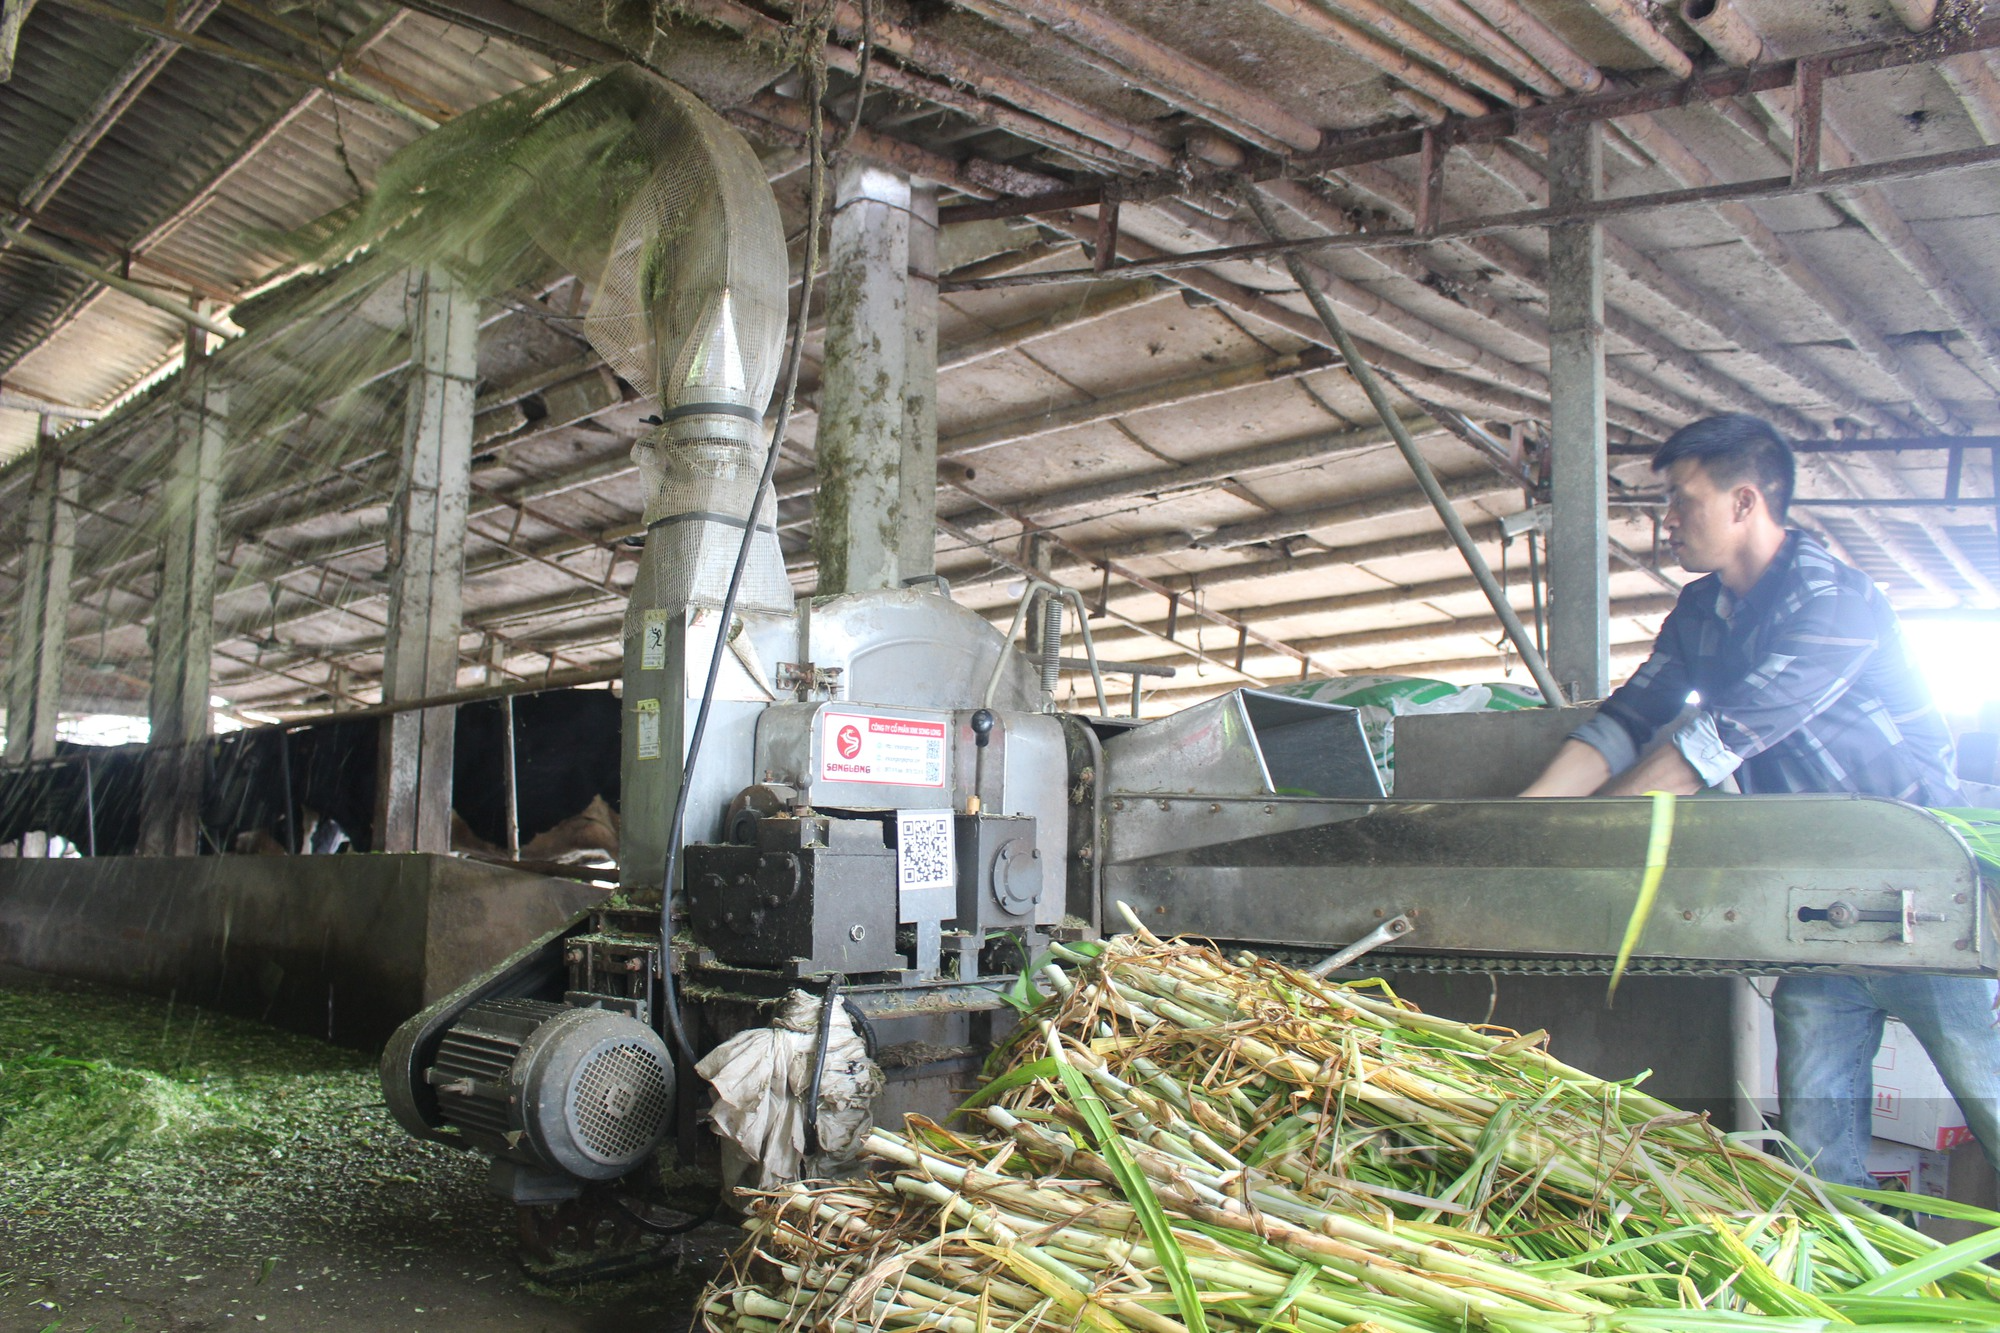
x=1732 y=449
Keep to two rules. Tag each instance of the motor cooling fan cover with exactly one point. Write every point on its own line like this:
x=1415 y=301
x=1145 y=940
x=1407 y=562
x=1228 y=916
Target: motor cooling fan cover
x=588 y=1092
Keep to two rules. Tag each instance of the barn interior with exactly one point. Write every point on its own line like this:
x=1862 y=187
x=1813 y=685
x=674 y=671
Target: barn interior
x=1130 y=373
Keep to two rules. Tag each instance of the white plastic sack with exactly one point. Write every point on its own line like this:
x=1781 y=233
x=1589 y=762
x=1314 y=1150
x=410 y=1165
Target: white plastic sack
x=761 y=1080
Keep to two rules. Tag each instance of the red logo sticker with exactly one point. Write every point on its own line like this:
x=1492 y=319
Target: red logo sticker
x=849 y=741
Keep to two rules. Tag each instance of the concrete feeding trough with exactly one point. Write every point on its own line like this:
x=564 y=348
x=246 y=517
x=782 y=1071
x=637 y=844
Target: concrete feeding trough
x=340 y=947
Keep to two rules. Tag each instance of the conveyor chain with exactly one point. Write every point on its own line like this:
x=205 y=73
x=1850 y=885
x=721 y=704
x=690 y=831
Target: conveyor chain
x=1462 y=964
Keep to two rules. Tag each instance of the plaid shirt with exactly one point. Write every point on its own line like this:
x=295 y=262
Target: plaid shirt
x=1804 y=685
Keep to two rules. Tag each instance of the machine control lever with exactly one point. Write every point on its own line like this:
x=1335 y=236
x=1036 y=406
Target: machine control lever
x=982 y=735
x=1393 y=929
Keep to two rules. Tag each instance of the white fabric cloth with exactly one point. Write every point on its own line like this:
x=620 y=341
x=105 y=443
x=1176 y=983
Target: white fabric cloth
x=761 y=1080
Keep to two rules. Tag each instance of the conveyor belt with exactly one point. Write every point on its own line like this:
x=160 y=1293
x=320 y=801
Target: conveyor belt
x=1753 y=885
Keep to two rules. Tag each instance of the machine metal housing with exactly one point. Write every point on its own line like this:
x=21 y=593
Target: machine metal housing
x=810 y=894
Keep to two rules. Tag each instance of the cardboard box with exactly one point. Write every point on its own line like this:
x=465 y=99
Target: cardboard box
x=1912 y=1104
x=1901 y=1166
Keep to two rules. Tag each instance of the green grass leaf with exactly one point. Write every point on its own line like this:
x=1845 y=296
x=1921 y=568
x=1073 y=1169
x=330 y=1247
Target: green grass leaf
x=1922 y=1271
x=1007 y=1082
x=1293 y=1290
x=1981 y=831
x=1657 y=844
x=1917 y=1203
x=1138 y=1191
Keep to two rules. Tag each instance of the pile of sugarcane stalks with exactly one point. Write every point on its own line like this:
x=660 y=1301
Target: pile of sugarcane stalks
x=1175 y=1142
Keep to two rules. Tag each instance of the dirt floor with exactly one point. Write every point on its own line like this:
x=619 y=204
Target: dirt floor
x=163 y=1168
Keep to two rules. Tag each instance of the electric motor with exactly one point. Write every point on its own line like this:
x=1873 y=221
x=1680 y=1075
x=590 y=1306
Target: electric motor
x=586 y=1092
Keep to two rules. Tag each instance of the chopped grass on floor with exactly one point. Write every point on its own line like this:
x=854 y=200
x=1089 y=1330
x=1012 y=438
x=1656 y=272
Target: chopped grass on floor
x=203 y=1170
x=129 y=1116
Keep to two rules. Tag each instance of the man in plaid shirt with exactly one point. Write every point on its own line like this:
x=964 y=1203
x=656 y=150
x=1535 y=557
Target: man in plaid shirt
x=1787 y=670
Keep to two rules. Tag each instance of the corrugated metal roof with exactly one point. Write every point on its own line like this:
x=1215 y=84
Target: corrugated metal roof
x=217 y=159
x=209 y=167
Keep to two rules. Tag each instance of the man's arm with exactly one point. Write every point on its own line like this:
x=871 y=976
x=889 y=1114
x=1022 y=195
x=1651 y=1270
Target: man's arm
x=1577 y=770
x=1609 y=743
x=1663 y=768
x=1580 y=770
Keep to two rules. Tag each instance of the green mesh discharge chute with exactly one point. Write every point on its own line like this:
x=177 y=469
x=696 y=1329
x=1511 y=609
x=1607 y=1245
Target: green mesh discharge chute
x=611 y=174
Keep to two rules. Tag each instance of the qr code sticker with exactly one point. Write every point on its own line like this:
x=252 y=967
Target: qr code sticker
x=924 y=856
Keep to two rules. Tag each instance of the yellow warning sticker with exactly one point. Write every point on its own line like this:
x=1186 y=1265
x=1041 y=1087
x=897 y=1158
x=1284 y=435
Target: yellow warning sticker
x=649 y=727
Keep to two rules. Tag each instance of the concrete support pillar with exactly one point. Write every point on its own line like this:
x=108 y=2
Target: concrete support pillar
x=1579 y=582
x=917 y=480
x=182 y=634
x=34 y=667
x=426 y=566
x=857 y=514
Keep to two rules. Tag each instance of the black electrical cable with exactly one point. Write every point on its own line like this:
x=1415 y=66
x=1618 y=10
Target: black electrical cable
x=688 y=1223
x=795 y=355
x=825 y=1035
x=869 y=1041
x=861 y=85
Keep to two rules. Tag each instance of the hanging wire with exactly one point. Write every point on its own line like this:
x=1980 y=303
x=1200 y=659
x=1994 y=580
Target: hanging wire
x=1198 y=596
x=861 y=85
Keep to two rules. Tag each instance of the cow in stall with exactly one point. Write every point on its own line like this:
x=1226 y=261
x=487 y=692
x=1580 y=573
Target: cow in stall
x=87 y=795
x=566 y=745
x=309 y=789
x=566 y=753
x=312 y=788
x=244 y=784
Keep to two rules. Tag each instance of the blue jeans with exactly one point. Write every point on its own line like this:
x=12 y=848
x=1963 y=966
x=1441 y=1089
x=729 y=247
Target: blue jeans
x=1828 y=1030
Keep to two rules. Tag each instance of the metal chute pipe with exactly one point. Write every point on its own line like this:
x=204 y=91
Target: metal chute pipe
x=1552 y=693
x=794 y=356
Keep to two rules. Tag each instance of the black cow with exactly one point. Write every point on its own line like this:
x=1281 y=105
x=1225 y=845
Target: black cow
x=313 y=787
x=51 y=796
x=565 y=754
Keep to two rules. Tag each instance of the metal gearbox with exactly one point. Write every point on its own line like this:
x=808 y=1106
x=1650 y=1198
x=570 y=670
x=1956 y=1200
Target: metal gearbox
x=819 y=894
x=1000 y=872
x=876 y=759
x=810 y=894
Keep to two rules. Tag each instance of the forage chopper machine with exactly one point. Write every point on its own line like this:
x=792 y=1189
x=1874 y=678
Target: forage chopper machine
x=889 y=800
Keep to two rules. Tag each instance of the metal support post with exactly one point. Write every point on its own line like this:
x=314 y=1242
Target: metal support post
x=917 y=473
x=510 y=776
x=34 y=669
x=1995 y=486
x=857 y=537
x=427 y=566
x=510 y=773
x=35 y=663
x=1579 y=582
x=183 y=629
